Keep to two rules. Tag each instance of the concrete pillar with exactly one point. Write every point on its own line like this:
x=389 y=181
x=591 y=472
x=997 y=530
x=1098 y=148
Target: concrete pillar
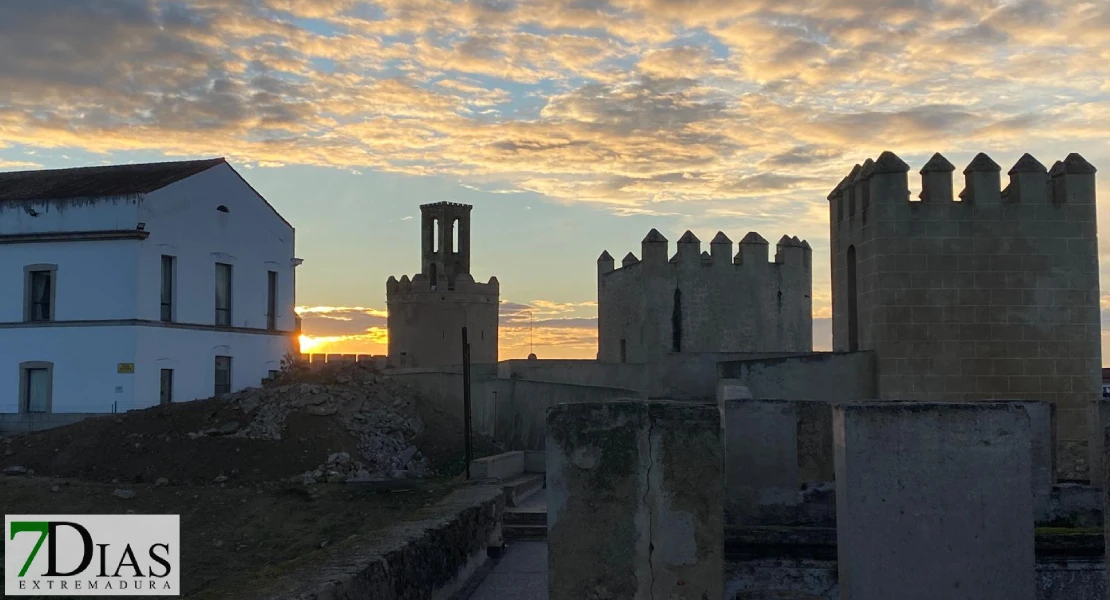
x=634 y=500
x=1042 y=422
x=1099 y=420
x=933 y=501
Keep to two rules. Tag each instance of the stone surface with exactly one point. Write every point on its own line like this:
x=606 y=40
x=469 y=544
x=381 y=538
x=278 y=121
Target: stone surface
x=933 y=501
x=504 y=466
x=428 y=558
x=634 y=500
x=778 y=462
x=753 y=303
x=975 y=299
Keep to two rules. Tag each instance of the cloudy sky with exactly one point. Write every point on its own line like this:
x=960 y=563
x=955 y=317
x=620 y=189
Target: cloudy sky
x=571 y=126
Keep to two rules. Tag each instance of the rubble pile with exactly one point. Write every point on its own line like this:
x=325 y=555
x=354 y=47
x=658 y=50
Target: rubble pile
x=379 y=412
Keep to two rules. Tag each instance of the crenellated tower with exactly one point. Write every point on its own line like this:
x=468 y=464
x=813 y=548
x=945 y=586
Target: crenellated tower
x=696 y=301
x=991 y=292
x=427 y=313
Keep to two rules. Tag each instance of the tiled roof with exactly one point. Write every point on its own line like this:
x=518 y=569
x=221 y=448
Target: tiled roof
x=91 y=182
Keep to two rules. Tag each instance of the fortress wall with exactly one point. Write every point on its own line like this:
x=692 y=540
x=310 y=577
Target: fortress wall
x=741 y=303
x=988 y=293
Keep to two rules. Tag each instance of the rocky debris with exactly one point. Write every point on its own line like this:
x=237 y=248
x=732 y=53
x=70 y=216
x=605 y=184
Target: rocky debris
x=15 y=470
x=220 y=479
x=124 y=494
x=381 y=413
x=161 y=482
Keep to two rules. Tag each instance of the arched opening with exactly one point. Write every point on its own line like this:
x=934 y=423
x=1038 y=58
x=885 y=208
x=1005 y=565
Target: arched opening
x=853 y=310
x=433 y=275
x=455 y=235
x=676 y=322
x=435 y=235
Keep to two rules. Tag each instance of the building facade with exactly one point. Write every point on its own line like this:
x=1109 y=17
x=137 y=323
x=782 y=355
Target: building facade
x=428 y=312
x=705 y=302
x=991 y=293
x=133 y=285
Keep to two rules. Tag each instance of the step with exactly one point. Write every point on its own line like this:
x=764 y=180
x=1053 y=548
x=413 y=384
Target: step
x=520 y=488
x=524 y=532
x=531 y=518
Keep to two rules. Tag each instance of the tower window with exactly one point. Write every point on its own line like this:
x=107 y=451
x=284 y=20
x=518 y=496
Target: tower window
x=676 y=322
x=454 y=236
x=853 y=310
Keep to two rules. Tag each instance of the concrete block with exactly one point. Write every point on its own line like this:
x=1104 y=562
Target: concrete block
x=499 y=466
x=1099 y=420
x=778 y=462
x=1042 y=421
x=634 y=500
x=933 y=501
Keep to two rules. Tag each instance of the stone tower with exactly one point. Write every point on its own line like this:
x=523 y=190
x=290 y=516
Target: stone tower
x=428 y=312
x=697 y=302
x=989 y=294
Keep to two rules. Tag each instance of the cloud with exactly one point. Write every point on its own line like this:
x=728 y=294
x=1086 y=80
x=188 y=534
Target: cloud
x=748 y=112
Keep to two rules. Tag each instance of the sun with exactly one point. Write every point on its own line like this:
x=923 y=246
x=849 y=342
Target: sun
x=308 y=343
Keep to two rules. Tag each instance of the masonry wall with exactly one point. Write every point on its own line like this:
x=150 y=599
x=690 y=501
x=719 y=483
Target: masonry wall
x=988 y=293
x=825 y=376
x=425 y=324
x=726 y=303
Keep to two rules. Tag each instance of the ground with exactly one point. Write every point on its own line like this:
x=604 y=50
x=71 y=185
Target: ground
x=232 y=534
x=245 y=510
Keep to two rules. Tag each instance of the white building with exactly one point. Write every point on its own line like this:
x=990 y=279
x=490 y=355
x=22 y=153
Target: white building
x=127 y=286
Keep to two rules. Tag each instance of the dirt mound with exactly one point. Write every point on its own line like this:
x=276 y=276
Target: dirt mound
x=334 y=424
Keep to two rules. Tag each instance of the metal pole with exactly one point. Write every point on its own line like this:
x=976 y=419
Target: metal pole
x=466 y=401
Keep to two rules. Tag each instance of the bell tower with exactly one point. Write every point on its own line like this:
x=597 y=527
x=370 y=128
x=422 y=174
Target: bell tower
x=445 y=242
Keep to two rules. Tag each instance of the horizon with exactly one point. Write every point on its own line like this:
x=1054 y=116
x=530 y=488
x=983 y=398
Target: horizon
x=570 y=135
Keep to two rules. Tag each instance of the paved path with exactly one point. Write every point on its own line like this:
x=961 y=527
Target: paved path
x=520 y=574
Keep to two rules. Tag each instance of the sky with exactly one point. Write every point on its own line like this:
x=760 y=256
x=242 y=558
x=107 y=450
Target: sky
x=572 y=127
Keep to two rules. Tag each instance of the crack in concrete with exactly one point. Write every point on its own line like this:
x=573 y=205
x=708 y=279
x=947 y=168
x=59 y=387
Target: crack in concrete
x=647 y=493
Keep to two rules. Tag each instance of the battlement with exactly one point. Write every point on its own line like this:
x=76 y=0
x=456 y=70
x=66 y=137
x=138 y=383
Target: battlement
x=421 y=285
x=885 y=181
x=446 y=205
x=732 y=297
x=752 y=254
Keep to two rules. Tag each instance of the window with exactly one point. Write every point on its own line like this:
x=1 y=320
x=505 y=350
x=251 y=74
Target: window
x=223 y=294
x=273 y=374
x=165 y=395
x=676 y=322
x=39 y=285
x=271 y=300
x=223 y=375
x=35 y=387
x=167 y=287
x=853 y=309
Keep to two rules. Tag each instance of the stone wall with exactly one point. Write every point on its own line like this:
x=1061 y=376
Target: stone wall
x=826 y=376
x=431 y=557
x=993 y=295
x=425 y=325
x=705 y=303
x=634 y=501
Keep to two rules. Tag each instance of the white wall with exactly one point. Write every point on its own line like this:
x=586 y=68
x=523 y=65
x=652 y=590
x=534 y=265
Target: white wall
x=86 y=358
x=192 y=355
x=95 y=280
x=183 y=221
x=103 y=214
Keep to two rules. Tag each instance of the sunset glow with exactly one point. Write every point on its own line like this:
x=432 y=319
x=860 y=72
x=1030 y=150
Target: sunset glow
x=572 y=127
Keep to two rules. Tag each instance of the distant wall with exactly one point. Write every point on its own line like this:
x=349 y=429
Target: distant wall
x=827 y=376
x=511 y=411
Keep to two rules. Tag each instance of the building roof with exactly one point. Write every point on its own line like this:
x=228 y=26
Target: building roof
x=90 y=182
